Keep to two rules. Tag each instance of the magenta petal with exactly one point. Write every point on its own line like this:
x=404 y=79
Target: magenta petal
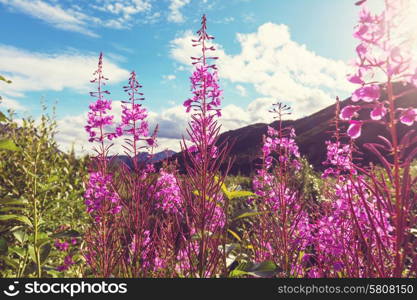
x=355 y=78
x=361 y=50
x=378 y=112
x=408 y=116
x=366 y=93
x=355 y=129
x=349 y=111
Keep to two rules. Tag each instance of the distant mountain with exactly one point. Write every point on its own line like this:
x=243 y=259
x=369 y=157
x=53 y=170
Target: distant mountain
x=143 y=157
x=312 y=133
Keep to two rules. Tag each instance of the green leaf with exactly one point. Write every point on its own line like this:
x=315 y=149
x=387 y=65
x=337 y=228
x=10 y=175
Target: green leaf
x=263 y=269
x=7 y=144
x=54 y=273
x=53 y=179
x=11 y=208
x=11 y=262
x=240 y=194
x=42 y=242
x=225 y=190
x=238 y=273
x=246 y=213
x=18 y=250
x=66 y=234
x=2 y=117
x=3 y=246
x=4 y=79
x=20 y=236
x=44 y=252
x=32 y=253
x=10 y=201
x=23 y=219
x=235 y=235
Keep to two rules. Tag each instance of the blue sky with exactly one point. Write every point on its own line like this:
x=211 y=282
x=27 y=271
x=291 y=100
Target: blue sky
x=293 y=51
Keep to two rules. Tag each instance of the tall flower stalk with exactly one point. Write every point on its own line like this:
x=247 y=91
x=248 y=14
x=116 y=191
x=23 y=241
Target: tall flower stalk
x=281 y=231
x=204 y=206
x=102 y=200
x=384 y=52
x=139 y=235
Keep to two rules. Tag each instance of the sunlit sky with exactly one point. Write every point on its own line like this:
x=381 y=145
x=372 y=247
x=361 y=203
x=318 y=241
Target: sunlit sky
x=296 y=51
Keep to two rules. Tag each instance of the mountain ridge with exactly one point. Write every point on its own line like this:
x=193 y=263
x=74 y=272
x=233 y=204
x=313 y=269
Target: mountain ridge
x=312 y=133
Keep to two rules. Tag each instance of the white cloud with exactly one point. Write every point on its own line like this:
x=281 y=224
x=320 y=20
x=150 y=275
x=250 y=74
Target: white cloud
x=32 y=71
x=118 y=14
x=175 y=14
x=127 y=8
x=169 y=77
x=277 y=67
x=241 y=90
x=9 y=103
x=172 y=124
x=65 y=19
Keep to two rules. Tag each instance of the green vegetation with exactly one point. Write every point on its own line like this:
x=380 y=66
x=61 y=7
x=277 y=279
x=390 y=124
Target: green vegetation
x=40 y=198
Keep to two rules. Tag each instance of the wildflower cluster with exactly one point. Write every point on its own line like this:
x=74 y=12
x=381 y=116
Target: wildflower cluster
x=168 y=193
x=64 y=246
x=382 y=55
x=134 y=115
x=99 y=194
x=99 y=115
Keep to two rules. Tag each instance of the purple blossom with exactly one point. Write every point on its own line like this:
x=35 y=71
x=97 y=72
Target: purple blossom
x=99 y=194
x=366 y=93
x=61 y=246
x=348 y=112
x=408 y=116
x=134 y=115
x=339 y=159
x=98 y=116
x=356 y=78
x=168 y=193
x=206 y=91
x=355 y=129
x=68 y=262
x=378 y=112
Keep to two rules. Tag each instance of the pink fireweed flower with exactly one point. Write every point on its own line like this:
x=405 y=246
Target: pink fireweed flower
x=168 y=193
x=68 y=262
x=408 y=116
x=98 y=116
x=355 y=129
x=99 y=194
x=134 y=116
x=366 y=93
x=204 y=85
x=61 y=246
x=335 y=231
x=379 y=111
x=338 y=158
x=348 y=112
x=361 y=50
x=356 y=78
x=204 y=80
x=371 y=28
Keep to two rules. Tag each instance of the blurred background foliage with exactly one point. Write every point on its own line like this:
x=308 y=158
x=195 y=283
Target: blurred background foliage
x=41 y=199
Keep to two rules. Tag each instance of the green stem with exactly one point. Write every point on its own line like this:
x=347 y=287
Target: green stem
x=35 y=216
